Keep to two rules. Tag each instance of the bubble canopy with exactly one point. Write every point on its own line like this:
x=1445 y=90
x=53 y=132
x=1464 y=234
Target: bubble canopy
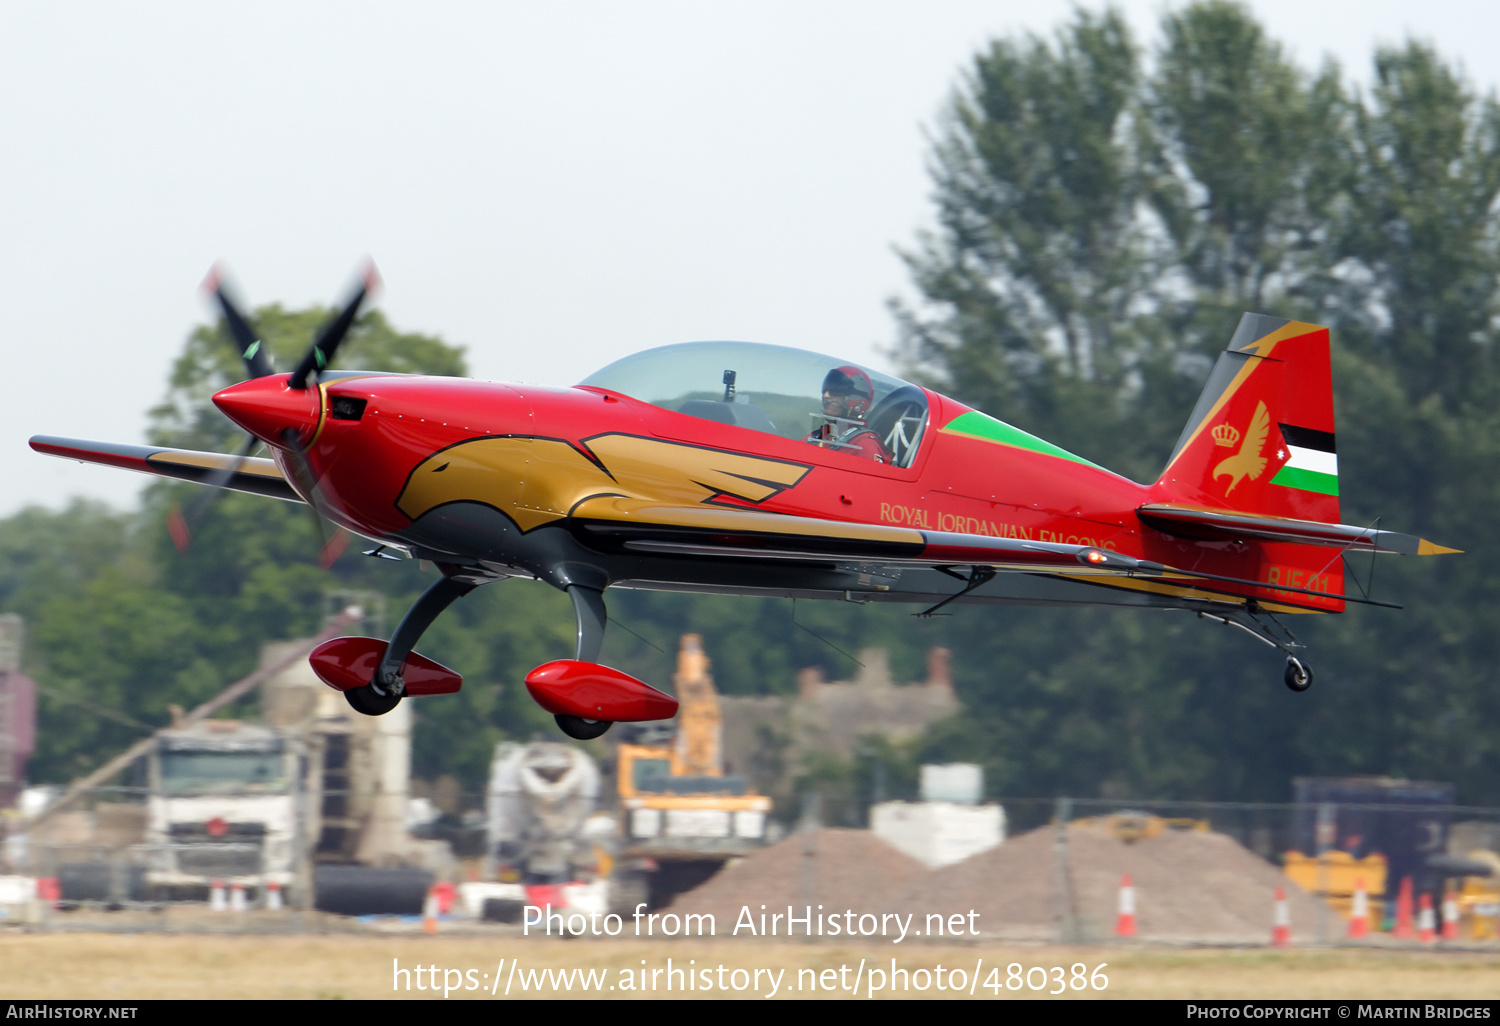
x=773 y=389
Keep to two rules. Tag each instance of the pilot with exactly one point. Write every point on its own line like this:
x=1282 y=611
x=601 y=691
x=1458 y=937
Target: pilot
x=848 y=394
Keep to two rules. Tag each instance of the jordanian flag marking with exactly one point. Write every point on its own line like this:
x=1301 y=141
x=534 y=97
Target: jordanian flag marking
x=1312 y=461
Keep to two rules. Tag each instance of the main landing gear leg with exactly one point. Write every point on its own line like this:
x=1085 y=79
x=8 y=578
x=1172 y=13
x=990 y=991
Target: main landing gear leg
x=588 y=608
x=384 y=693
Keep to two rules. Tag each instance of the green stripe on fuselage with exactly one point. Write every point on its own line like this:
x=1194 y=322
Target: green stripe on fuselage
x=978 y=425
x=1307 y=480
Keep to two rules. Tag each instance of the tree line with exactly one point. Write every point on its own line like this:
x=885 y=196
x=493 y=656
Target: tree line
x=1102 y=222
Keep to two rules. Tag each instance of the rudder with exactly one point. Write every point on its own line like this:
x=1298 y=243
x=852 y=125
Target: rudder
x=1261 y=438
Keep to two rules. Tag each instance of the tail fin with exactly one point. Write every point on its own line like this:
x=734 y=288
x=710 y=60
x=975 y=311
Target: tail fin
x=1261 y=438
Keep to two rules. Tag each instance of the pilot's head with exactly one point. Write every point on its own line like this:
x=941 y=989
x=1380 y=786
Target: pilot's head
x=848 y=393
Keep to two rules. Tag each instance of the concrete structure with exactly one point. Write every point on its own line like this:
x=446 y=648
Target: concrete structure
x=938 y=833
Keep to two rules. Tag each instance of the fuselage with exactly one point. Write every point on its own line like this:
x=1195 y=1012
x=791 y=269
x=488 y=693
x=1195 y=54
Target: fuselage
x=426 y=462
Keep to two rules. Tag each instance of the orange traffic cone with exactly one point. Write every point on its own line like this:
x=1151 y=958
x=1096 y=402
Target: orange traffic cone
x=236 y=897
x=1359 y=921
x=1281 y=923
x=1125 y=921
x=444 y=892
x=1425 y=925
x=273 y=895
x=1403 y=910
x=1450 y=916
x=216 y=899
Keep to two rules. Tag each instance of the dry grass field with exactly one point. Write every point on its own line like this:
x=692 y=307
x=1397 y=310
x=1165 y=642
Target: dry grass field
x=157 y=966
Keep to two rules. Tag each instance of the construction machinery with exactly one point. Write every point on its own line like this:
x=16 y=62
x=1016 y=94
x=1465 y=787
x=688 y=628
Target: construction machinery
x=1405 y=821
x=674 y=795
x=1338 y=876
x=546 y=841
x=680 y=812
x=540 y=798
x=225 y=801
x=1131 y=826
x=313 y=800
x=1479 y=896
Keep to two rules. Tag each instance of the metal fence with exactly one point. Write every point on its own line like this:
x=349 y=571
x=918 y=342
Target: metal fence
x=1078 y=856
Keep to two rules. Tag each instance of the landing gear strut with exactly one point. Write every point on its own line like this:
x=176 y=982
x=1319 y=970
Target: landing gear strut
x=1299 y=674
x=385 y=690
x=588 y=607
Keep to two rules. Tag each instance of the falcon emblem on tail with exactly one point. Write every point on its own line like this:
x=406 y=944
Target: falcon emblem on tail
x=1248 y=462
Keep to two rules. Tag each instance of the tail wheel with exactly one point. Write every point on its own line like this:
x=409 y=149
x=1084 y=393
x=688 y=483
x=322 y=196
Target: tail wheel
x=370 y=702
x=579 y=728
x=1299 y=675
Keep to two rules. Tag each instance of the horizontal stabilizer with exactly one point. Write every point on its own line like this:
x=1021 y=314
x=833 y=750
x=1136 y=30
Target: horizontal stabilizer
x=258 y=476
x=1218 y=525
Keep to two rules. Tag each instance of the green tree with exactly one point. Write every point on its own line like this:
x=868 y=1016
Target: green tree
x=1420 y=431
x=1042 y=255
x=1245 y=161
x=1262 y=188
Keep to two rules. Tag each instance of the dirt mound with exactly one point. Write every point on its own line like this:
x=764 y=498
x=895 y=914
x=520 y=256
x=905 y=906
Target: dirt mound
x=1189 y=886
x=838 y=869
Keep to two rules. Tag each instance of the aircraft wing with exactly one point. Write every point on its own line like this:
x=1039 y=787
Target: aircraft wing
x=647 y=526
x=637 y=525
x=251 y=474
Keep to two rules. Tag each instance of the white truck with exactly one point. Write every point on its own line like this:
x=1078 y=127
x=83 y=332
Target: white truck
x=313 y=800
x=226 y=801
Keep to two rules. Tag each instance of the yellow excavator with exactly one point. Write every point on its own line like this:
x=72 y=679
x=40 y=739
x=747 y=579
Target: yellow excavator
x=680 y=813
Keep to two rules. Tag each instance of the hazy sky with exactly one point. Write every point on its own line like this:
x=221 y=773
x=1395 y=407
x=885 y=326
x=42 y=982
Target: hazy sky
x=552 y=185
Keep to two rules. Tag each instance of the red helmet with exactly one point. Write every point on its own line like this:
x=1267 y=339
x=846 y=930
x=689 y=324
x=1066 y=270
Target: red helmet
x=853 y=386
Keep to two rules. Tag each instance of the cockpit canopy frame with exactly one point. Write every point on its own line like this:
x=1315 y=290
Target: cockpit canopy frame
x=772 y=389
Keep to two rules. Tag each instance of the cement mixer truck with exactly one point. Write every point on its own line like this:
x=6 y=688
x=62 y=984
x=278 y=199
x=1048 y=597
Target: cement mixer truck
x=547 y=843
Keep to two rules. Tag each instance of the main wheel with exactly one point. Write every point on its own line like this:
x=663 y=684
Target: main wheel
x=1299 y=675
x=579 y=728
x=370 y=702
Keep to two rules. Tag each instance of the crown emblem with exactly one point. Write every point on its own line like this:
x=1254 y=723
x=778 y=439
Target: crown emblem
x=1225 y=435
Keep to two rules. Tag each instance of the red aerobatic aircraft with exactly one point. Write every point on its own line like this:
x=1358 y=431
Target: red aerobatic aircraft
x=745 y=469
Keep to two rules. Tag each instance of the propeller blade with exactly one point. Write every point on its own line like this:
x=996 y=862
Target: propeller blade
x=323 y=349
x=182 y=538
x=224 y=476
x=250 y=348
x=331 y=544
x=258 y=365
x=180 y=524
x=333 y=548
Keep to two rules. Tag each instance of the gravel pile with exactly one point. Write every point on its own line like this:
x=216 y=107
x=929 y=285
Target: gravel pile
x=838 y=869
x=1190 y=886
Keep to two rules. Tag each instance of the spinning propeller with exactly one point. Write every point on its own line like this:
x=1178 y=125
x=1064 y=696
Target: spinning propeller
x=258 y=365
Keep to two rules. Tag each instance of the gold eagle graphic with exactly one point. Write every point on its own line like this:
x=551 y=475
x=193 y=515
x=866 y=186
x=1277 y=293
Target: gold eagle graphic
x=1248 y=462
